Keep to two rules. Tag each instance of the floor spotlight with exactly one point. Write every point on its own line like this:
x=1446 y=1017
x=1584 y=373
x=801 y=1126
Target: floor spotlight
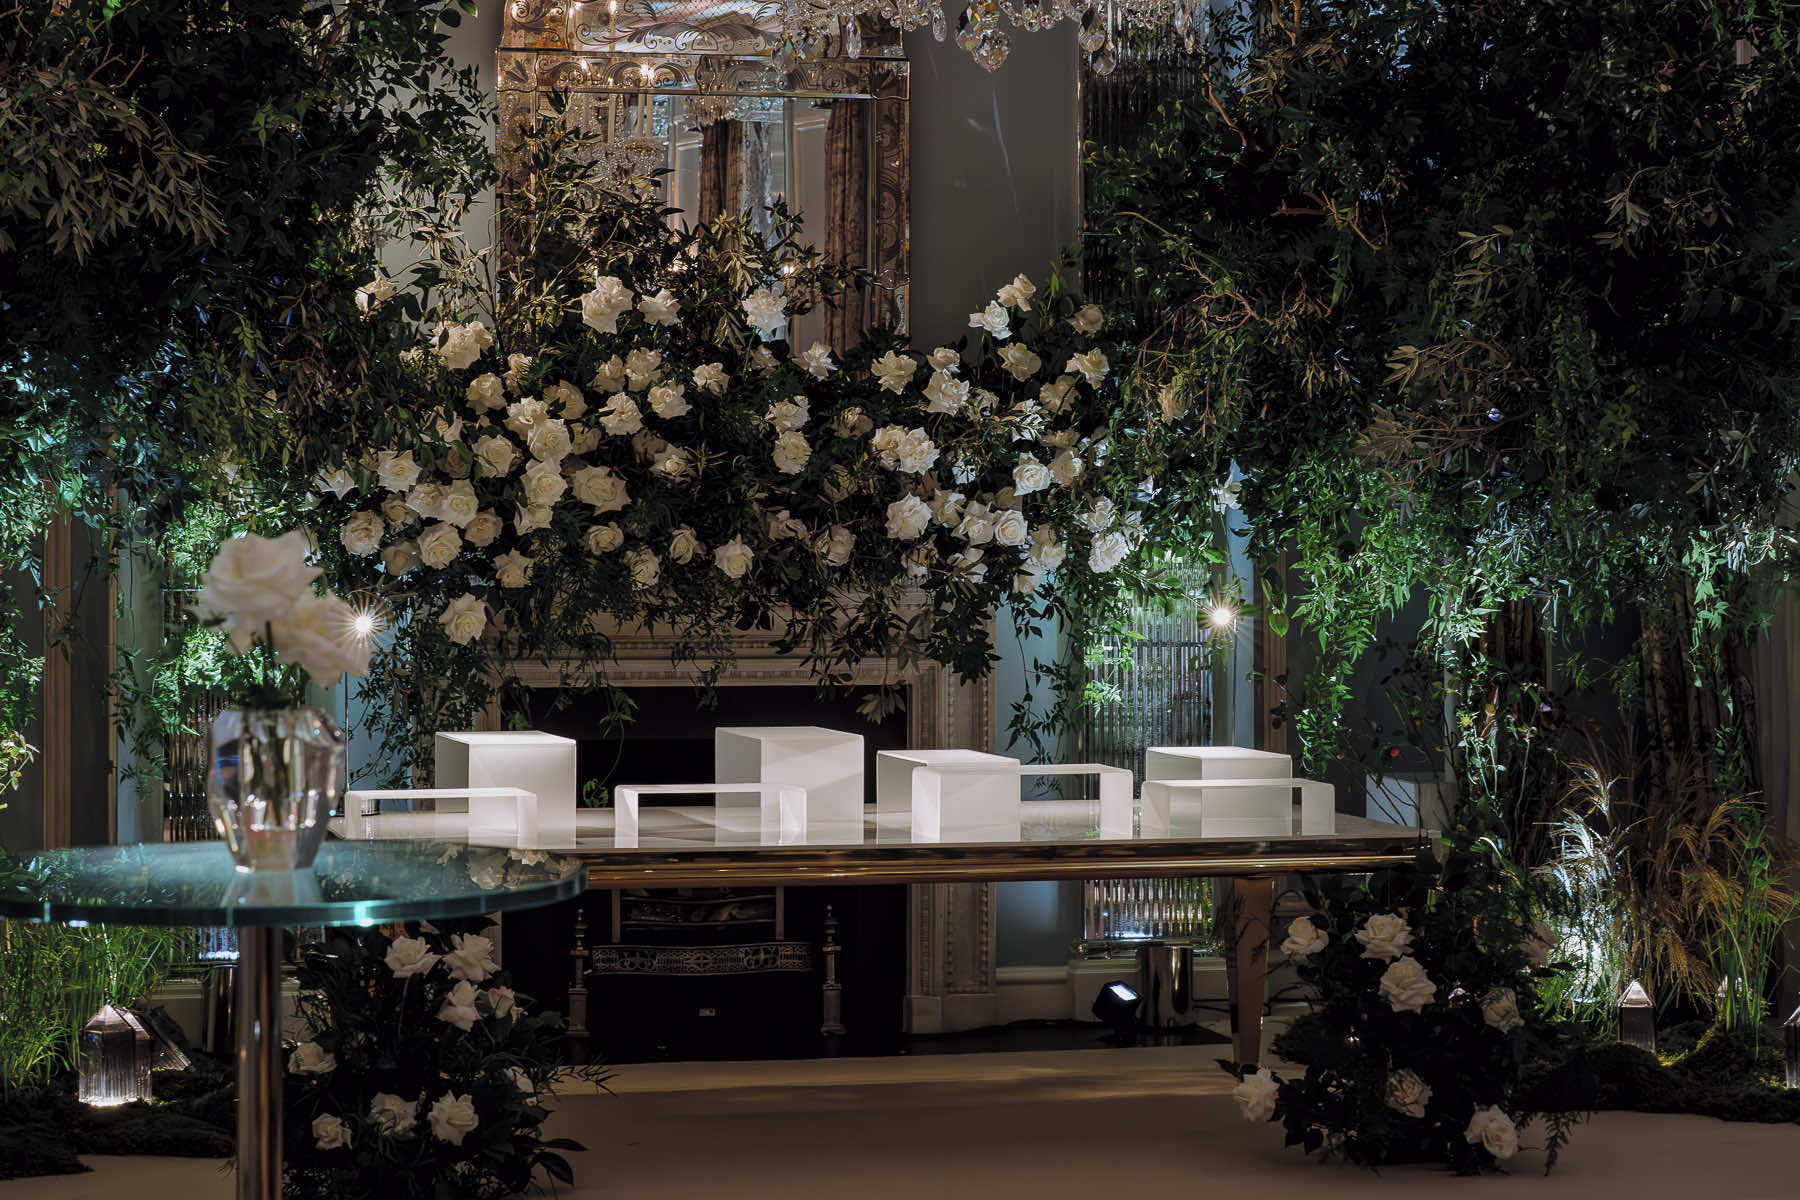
x=1117 y=1005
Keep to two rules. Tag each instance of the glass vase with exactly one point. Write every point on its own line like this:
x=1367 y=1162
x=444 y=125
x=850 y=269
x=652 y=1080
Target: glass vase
x=273 y=784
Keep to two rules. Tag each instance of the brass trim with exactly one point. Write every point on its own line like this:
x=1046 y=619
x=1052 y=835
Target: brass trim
x=801 y=866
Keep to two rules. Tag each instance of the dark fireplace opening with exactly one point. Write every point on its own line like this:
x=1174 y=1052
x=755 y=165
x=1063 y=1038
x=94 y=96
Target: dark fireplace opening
x=707 y=974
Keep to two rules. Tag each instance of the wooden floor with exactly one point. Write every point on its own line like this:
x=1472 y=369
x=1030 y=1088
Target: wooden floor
x=1144 y=1124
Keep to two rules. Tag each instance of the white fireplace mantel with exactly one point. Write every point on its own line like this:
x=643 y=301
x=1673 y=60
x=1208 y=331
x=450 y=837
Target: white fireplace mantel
x=950 y=956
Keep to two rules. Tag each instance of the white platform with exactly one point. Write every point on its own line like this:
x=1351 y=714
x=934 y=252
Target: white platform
x=1243 y=808
x=827 y=763
x=780 y=810
x=489 y=809
x=540 y=763
x=984 y=801
x=897 y=782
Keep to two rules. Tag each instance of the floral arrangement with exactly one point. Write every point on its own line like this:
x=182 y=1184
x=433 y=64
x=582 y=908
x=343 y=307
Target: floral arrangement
x=640 y=435
x=259 y=592
x=422 y=1076
x=1424 y=1020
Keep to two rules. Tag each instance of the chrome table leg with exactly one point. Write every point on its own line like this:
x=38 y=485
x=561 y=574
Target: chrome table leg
x=259 y=1075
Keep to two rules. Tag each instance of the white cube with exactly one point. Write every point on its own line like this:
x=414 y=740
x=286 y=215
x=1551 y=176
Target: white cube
x=779 y=808
x=1244 y=808
x=826 y=762
x=990 y=807
x=1224 y=762
x=540 y=763
x=895 y=776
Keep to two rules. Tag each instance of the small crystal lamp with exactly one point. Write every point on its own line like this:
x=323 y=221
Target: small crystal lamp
x=1637 y=1018
x=116 y=1055
x=1790 y=1037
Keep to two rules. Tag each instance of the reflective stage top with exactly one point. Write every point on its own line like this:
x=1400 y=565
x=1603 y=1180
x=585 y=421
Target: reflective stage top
x=351 y=883
x=700 y=846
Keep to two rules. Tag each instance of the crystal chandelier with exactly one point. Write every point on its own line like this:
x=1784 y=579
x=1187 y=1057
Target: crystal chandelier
x=806 y=24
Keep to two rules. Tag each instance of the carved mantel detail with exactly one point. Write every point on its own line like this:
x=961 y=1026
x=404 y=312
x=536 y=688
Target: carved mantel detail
x=950 y=955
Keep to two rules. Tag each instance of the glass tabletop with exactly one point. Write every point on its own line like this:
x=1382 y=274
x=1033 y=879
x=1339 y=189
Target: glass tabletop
x=351 y=883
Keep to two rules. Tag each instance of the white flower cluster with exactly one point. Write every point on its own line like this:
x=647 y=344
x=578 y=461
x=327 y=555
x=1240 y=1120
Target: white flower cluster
x=261 y=589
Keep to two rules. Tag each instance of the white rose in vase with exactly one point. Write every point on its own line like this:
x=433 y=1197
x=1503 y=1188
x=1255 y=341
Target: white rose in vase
x=316 y=634
x=894 y=371
x=458 y=1008
x=839 y=543
x=1108 y=551
x=642 y=368
x=712 y=378
x=472 y=957
x=523 y=416
x=669 y=400
x=1018 y=293
x=409 y=956
x=1256 y=1095
x=570 y=404
x=1019 y=362
x=464 y=619
x=660 y=309
x=1303 y=939
x=733 y=558
x=1091 y=366
x=1500 y=1008
x=1493 y=1131
x=396 y=471
x=1385 y=935
x=1030 y=475
x=391 y=1114
x=362 y=533
x=1407 y=1093
x=254 y=580
x=622 y=416
x=764 y=310
x=1089 y=320
x=1406 y=987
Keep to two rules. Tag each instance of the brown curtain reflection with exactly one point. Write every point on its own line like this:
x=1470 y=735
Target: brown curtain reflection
x=846 y=171
x=721 y=169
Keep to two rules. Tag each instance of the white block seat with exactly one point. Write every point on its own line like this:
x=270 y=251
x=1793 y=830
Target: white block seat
x=540 y=763
x=827 y=763
x=1236 y=807
x=780 y=811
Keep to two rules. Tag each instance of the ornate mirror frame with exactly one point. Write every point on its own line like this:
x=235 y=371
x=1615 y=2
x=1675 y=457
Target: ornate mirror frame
x=727 y=50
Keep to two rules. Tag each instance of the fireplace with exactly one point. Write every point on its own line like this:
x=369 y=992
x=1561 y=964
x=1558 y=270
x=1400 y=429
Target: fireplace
x=916 y=960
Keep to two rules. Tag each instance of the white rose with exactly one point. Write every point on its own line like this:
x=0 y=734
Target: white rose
x=390 y=1114
x=1065 y=468
x=968 y=566
x=530 y=517
x=439 y=545
x=602 y=307
x=497 y=454
x=486 y=393
x=1020 y=362
x=337 y=481
x=361 y=534
x=1047 y=549
x=711 y=378
x=1018 y=294
x=459 y=504
x=839 y=544
x=317 y=635
x=785 y=415
x=1030 y=475
x=586 y=439
x=500 y=1001
x=1407 y=1093
x=683 y=545
x=518 y=371
x=1256 y=1096
x=472 y=957
x=409 y=956
x=610 y=376
x=452 y=1117
x=791 y=452
x=1099 y=515
x=460 y=345
x=1026 y=580
x=484 y=528
x=512 y=569
x=895 y=371
x=993 y=320
x=917 y=453
x=1385 y=935
x=852 y=422
x=1494 y=1132
x=1500 y=1008
x=374 y=293
x=458 y=1008
x=1303 y=938
x=1054 y=396
x=520 y=1080
x=1089 y=320
x=907 y=518
x=522 y=416
x=600 y=489
x=425 y=499
x=669 y=400
x=571 y=405
x=947 y=508
x=733 y=558
x=919 y=559
x=1406 y=987
x=398 y=515
x=645 y=569
x=622 y=416
x=400 y=558
x=642 y=368
x=1010 y=528
x=977 y=525
x=604 y=539
x=544 y=483
x=815 y=360
x=783 y=524
x=660 y=309
x=672 y=462
x=549 y=441
x=329 y=1132
x=464 y=619
x=309 y=1058
x=253 y=580
x=763 y=309
x=943 y=358
x=946 y=393
x=1091 y=366
x=1108 y=551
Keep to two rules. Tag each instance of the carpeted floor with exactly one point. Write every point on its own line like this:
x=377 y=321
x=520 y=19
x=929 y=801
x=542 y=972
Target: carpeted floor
x=1067 y=1125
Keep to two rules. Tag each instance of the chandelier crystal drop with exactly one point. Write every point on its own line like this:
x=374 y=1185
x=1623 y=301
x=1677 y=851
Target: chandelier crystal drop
x=807 y=26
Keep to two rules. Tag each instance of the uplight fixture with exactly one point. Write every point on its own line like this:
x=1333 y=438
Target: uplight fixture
x=1790 y=1039
x=1637 y=1018
x=115 y=1058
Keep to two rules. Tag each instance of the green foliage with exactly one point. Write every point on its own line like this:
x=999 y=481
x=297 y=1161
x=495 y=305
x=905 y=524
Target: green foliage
x=1468 y=1045
x=1489 y=302
x=451 y=1029
x=54 y=978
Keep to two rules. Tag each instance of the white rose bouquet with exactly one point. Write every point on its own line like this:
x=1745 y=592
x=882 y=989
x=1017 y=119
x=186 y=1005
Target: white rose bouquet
x=1424 y=1023
x=423 y=1073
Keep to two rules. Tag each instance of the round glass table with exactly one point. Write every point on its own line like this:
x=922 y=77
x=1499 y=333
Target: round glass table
x=351 y=883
